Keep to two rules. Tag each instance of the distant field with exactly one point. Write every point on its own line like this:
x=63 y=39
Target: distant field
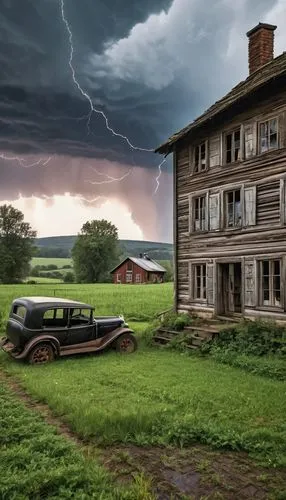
x=140 y=302
x=45 y=261
x=41 y=280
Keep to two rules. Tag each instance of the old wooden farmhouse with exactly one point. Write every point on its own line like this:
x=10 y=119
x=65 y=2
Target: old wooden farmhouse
x=230 y=195
x=138 y=270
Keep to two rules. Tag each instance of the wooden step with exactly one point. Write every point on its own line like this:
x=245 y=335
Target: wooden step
x=160 y=337
x=197 y=341
x=202 y=329
x=229 y=319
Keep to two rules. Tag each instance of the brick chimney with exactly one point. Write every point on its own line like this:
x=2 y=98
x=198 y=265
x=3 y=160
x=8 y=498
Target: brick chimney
x=260 y=46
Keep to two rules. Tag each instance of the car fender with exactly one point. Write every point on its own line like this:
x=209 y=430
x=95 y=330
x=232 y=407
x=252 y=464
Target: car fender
x=39 y=340
x=115 y=334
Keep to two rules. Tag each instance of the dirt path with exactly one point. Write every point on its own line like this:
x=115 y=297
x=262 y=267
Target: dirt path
x=196 y=473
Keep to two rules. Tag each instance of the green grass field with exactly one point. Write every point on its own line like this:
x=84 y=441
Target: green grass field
x=45 y=261
x=41 y=280
x=37 y=463
x=139 y=302
x=152 y=397
x=161 y=397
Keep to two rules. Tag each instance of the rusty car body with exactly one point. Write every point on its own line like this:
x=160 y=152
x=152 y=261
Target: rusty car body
x=41 y=329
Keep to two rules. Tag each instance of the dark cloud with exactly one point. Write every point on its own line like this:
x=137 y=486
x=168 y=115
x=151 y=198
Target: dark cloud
x=150 y=65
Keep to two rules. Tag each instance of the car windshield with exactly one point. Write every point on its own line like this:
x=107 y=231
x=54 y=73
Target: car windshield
x=79 y=316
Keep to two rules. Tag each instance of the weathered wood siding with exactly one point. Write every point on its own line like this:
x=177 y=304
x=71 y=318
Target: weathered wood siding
x=263 y=177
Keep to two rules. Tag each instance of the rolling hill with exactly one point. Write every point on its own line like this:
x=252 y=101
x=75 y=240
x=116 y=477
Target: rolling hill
x=60 y=246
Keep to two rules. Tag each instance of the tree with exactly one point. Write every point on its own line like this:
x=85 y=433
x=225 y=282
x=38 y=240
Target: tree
x=95 y=251
x=16 y=245
x=69 y=277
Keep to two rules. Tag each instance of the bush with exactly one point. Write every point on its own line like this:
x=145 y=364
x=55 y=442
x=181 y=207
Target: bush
x=253 y=337
x=31 y=282
x=69 y=277
x=2 y=323
x=270 y=366
x=176 y=321
x=67 y=266
x=172 y=321
x=34 y=272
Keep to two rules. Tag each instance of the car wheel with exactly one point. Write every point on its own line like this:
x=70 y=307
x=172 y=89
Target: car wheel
x=126 y=343
x=41 y=354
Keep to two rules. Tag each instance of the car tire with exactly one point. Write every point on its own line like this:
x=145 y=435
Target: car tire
x=126 y=343
x=41 y=354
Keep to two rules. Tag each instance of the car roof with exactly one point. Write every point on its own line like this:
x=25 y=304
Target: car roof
x=33 y=302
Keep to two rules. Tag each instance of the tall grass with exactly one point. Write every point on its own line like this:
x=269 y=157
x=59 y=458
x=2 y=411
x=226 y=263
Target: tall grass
x=138 y=302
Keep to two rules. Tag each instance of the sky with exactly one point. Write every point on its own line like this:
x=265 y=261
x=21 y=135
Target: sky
x=88 y=88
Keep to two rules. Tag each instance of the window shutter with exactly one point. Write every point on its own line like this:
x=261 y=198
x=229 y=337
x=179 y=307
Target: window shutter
x=190 y=214
x=282 y=130
x=207 y=211
x=250 y=286
x=282 y=201
x=214 y=209
x=249 y=206
x=191 y=160
x=210 y=283
x=191 y=294
x=242 y=143
x=214 y=151
x=207 y=154
x=250 y=140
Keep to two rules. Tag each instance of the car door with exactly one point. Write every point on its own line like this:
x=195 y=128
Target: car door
x=80 y=326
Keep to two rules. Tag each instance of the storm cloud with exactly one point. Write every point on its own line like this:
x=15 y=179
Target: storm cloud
x=150 y=66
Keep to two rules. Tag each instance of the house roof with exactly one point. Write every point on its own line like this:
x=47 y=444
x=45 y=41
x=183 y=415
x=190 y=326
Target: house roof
x=146 y=264
x=274 y=69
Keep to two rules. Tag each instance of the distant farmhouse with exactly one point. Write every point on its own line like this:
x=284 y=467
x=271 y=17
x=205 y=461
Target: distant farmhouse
x=138 y=270
x=230 y=195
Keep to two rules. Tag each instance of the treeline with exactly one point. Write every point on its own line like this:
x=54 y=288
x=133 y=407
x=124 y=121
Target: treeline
x=61 y=247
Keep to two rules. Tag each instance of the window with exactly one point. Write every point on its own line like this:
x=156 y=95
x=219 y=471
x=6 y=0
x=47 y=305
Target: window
x=233 y=208
x=270 y=282
x=138 y=278
x=20 y=311
x=79 y=316
x=200 y=213
x=55 y=317
x=200 y=158
x=129 y=277
x=268 y=131
x=118 y=278
x=232 y=146
x=129 y=265
x=200 y=282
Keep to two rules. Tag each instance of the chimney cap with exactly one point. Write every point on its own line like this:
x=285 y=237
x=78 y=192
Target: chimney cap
x=270 y=27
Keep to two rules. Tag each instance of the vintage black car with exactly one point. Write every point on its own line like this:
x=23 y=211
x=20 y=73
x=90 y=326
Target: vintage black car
x=40 y=329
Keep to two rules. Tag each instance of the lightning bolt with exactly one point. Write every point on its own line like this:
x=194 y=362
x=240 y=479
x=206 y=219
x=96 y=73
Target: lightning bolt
x=109 y=178
x=159 y=175
x=84 y=93
x=42 y=161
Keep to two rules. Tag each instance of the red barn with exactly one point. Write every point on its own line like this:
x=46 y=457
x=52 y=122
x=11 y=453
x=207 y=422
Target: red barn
x=138 y=270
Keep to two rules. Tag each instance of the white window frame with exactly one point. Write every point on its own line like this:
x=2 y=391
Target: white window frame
x=261 y=122
x=129 y=276
x=241 y=138
x=197 y=169
x=226 y=204
x=138 y=278
x=118 y=278
x=271 y=275
x=199 y=196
